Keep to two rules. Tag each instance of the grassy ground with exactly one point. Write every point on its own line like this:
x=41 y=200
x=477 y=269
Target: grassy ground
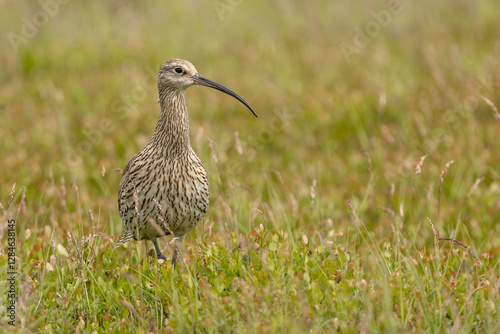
x=320 y=209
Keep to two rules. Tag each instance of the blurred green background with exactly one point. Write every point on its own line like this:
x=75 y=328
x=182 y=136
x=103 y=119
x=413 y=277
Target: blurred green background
x=350 y=97
x=78 y=91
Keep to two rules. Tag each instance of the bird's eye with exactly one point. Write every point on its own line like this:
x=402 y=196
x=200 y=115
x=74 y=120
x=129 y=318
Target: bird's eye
x=178 y=70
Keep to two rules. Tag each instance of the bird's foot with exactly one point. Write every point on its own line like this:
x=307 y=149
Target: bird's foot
x=161 y=257
x=159 y=254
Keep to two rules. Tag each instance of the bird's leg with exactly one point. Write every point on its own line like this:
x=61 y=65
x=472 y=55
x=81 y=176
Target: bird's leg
x=176 y=251
x=175 y=256
x=159 y=255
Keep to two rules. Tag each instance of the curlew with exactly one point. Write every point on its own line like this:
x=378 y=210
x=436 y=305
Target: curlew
x=164 y=187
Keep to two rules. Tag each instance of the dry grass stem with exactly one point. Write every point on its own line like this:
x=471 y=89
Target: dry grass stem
x=418 y=168
x=438 y=239
x=213 y=155
x=22 y=204
x=70 y=247
x=382 y=101
x=312 y=194
x=136 y=200
x=202 y=258
x=162 y=219
x=118 y=170
x=496 y=113
x=368 y=159
x=349 y=203
x=174 y=238
x=237 y=143
x=441 y=180
x=474 y=186
x=278 y=175
x=11 y=196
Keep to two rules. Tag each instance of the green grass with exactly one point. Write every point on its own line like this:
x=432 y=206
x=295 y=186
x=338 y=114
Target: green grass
x=318 y=221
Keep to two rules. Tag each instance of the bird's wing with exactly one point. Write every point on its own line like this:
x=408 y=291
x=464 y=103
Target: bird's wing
x=122 y=190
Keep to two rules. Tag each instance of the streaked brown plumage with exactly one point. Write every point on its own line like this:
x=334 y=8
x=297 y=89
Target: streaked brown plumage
x=166 y=183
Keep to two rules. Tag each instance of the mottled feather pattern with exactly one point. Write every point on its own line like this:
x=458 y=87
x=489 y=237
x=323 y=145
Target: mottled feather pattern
x=166 y=177
x=166 y=170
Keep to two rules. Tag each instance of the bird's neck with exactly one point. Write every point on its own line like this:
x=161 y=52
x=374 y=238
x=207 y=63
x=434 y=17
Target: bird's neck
x=172 y=130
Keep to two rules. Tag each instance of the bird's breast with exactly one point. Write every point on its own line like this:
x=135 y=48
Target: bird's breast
x=171 y=191
x=183 y=194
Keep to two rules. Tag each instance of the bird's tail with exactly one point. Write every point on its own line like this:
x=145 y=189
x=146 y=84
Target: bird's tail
x=126 y=236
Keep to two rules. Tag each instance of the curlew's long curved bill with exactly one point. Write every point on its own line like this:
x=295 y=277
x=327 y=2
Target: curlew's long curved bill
x=200 y=80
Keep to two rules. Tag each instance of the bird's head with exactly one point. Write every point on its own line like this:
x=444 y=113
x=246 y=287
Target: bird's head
x=176 y=73
x=180 y=74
